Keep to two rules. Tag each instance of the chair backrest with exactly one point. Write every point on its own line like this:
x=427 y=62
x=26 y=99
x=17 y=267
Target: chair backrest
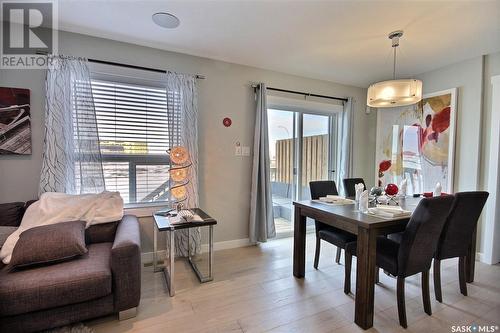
x=420 y=238
x=349 y=183
x=321 y=188
x=460 y=224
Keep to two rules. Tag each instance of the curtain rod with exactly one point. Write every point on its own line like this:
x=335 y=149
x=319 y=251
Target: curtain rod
x=104 y=62
x=303 y=93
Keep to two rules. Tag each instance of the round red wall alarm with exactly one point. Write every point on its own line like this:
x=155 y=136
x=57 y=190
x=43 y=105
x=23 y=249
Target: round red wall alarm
x=227 y=122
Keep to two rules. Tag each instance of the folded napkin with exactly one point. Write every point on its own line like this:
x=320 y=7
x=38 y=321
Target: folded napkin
x=363 y=201
x=359 y=188
x=403 y=186
x=335 y=199
x=389 y=211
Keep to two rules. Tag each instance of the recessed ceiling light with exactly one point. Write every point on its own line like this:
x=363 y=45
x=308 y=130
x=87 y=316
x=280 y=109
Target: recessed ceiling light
x=166 y=20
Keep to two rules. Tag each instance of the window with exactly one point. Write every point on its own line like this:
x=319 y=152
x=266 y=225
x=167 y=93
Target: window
x=134 y=133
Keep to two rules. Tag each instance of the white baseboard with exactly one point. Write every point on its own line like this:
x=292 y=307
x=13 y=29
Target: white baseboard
x=480 y=257
x=147 y=257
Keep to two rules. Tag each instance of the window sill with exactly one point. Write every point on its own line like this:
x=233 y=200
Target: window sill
x=144 y=210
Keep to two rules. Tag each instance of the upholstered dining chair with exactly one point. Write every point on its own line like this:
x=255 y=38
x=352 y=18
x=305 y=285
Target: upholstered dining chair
x=456 y=236
x=332 y=235
x=349 y=183
x=414 y=254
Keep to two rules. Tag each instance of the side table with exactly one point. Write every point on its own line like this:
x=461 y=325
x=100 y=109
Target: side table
x=163 y=223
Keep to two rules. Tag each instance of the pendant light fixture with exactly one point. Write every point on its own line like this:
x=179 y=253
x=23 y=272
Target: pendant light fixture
x=387 y=94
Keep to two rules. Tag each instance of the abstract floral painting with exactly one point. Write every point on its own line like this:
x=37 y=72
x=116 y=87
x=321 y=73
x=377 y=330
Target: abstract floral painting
x=417 y=143
x=15 y=119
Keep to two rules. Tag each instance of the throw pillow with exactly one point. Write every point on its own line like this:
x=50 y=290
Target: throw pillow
x=49 y=244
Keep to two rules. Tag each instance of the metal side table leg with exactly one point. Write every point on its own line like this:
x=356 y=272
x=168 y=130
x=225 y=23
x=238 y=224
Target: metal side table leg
x=211 y=252
x=170 y=270
x=209 y=277
x=155 y=248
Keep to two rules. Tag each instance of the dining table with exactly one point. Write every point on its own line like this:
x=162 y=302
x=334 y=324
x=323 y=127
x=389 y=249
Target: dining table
x=367 y=227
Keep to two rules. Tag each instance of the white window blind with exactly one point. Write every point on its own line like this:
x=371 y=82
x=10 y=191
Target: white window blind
x=134 y=135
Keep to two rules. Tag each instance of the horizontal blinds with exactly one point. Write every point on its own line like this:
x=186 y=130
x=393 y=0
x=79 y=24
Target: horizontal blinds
x=136 y=124
x=132 y=119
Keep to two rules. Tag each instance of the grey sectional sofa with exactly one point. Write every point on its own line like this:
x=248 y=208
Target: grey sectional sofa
x=104 y=281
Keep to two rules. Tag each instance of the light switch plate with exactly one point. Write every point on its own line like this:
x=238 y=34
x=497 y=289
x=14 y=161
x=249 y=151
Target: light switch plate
x=245 y=151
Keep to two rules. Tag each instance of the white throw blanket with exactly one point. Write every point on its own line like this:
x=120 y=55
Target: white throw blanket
x=60 y=207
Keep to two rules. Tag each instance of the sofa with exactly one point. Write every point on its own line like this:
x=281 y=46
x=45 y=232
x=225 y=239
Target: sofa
x=104 y=281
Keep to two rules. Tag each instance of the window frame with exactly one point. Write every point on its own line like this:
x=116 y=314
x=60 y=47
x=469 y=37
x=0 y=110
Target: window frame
x=135 y=160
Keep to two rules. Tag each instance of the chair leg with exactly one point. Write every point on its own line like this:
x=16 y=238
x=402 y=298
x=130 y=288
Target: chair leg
x=316 y=253
x=377 y=270
x=461 y=275
x=426 y=298
x=401 y=302
x=347 y=272
x=437 y=280
x=337 y=258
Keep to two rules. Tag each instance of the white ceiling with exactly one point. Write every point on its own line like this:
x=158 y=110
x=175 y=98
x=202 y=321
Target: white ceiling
x=341 y=41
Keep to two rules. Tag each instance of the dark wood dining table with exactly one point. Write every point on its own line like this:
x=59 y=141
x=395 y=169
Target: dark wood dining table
x=367 y=228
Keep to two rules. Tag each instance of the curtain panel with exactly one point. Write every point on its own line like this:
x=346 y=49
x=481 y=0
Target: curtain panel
x=261 y=206
x=183 y=131
x=344 y=166
x=71 y=159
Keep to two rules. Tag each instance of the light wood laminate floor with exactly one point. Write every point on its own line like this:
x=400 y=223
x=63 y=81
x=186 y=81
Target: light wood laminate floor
x=254 y=291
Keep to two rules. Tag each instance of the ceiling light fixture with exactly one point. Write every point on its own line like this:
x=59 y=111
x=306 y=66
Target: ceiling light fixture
x=387 y=94
x=166 y=20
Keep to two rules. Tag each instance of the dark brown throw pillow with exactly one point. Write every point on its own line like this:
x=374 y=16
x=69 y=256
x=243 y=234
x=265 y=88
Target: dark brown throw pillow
x=11 y=214
x=49 y=244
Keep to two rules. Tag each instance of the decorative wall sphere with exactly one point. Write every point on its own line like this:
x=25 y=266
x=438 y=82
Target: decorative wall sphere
x=178 y=175
x=179 y=155
x=179 y=192
x=391 y=189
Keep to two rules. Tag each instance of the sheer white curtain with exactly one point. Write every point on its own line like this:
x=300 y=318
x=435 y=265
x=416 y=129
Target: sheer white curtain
x=261 y=206
x=344 y=165
x=71 y=160
x=183 y=123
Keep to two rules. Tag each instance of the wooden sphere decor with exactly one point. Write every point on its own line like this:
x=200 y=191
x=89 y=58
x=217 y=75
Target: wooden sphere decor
x=179 y=155
x=178 y=174
x=179 y=192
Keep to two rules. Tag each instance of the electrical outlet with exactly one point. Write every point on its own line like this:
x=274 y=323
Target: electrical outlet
x=237 y=151
x=245 y=151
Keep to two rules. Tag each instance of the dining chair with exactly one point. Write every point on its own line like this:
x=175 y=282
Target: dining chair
x=332 y=235
x=414 y=254
x=349 y=184
x=456 y=236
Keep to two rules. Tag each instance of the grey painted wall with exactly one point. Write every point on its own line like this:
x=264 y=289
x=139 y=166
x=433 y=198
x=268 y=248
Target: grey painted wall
x=224 y=178
x=473 y=80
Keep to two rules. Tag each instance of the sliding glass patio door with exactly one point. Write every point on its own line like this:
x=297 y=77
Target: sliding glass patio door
x=302 y=149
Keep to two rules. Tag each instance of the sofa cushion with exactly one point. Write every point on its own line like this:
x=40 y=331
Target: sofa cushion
x=5 y=233
x=85 y=278
x=101 y=233
x=11 y=213
x=49 y=244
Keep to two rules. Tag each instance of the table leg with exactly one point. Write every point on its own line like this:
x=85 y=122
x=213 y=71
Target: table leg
x=299 y=244
x=155 y=248
x=365 y=278
x=169 y=273
x=194 y=266
x=210 y=251
x=470 y=259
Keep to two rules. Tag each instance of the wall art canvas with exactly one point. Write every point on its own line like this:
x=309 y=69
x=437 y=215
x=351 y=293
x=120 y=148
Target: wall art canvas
x=15 y=121
x=417 y=143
